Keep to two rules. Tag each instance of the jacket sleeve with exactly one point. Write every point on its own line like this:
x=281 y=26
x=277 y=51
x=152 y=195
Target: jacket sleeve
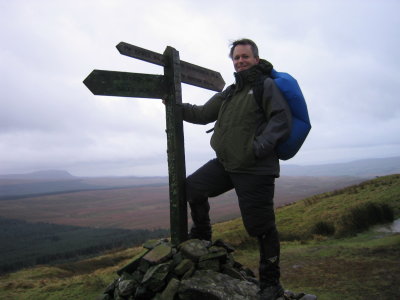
x=203 y=114
x=279 y=120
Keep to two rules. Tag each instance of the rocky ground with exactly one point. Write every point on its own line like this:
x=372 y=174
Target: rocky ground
x=194 y=269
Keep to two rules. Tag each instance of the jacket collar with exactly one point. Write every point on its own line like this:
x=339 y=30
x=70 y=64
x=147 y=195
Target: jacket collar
x=249 y=76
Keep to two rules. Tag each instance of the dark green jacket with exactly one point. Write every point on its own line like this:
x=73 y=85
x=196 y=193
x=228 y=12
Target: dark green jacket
x=245 y=135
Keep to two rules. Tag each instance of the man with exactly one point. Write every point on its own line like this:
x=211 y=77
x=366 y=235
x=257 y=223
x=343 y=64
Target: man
x=244 y=138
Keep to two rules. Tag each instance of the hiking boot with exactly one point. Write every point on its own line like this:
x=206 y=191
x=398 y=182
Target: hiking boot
x=269 y=270
x=271 y=292
x=201 y=228
x=200 y=233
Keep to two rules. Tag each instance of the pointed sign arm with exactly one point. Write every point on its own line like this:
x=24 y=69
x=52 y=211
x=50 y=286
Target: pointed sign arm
x=123 y=84
x=190 y=73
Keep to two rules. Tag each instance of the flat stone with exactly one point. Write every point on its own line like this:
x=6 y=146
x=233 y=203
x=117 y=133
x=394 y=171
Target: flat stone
x=154 y=279
x=189 y=273
x=248 y=272
x=159 y=254
x=143 y=266
x=194 y=249
x=151 y=244
x=133 y=265
x=215 y=253
x=177 y=259
x=171 y=290
x=234 y=273
x=210 y=264
x=221 y=243
x=183 y=267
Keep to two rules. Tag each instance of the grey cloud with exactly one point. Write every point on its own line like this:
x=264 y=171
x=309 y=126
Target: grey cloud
x=343 y=53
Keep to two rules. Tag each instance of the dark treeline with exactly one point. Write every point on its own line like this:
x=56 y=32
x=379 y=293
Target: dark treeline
x=25 y=244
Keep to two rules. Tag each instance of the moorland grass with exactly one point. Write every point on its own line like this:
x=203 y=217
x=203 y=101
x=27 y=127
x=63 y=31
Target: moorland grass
x=357 y=266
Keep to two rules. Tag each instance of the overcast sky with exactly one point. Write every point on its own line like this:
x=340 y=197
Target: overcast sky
x=344 y=54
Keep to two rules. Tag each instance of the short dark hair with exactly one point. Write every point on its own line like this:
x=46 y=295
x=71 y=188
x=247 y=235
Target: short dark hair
x=253 y=45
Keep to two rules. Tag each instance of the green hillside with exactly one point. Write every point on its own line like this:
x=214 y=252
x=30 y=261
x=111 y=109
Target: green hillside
x=328 y=249
x=338 y=213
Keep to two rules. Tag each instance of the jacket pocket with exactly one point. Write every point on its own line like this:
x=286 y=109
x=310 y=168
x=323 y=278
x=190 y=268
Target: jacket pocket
x=236 y=148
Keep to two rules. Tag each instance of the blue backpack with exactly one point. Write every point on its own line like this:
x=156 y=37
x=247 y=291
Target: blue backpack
x=301 y=125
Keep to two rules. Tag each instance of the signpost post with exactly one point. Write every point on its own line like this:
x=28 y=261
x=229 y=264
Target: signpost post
x=167 y=87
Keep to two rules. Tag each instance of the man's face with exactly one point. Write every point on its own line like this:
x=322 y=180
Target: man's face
x=243 y=58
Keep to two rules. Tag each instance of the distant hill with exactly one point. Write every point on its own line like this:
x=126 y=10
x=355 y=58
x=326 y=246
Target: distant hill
x=363 y=168
x=60 y=181
x=55 y=182
x=46 y=174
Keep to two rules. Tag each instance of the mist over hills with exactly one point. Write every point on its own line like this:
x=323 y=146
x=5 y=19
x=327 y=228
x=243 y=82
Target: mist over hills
x=363 y=168
x=61 y=181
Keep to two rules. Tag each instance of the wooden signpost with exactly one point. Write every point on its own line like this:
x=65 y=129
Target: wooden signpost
x=167 y=87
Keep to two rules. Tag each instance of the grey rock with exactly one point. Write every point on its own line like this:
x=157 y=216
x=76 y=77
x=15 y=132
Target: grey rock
x=133 y=265
x=116 y=295
x=234 y=273
x=290 y=294
x=221 y=243
x=111 y=287
x=158 y=254
x=183 y=267
x=248 y=272
x=142 y=293
x=194 y=249
x=137 y=275
x=189 y=273
x=157 y=297
x=151 y=244
x=210 y=264
x=171 y=290
x=177 y=259
x=212 y=285
x=126 y=276
x=215 y=253
x=309 y=297
x=154 y=279
x=127 y=287
x=298 y=296
x=144 y=265
x=206 y=271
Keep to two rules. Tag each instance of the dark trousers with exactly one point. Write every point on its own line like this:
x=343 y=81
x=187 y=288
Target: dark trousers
x=255 y=194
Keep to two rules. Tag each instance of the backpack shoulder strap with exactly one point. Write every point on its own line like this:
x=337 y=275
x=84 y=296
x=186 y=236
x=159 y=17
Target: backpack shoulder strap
x=258 y=90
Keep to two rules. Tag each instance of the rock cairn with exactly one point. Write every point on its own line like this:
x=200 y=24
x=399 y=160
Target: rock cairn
x=193 y=270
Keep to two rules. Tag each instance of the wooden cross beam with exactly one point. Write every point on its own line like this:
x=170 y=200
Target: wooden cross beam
x=168 y=87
